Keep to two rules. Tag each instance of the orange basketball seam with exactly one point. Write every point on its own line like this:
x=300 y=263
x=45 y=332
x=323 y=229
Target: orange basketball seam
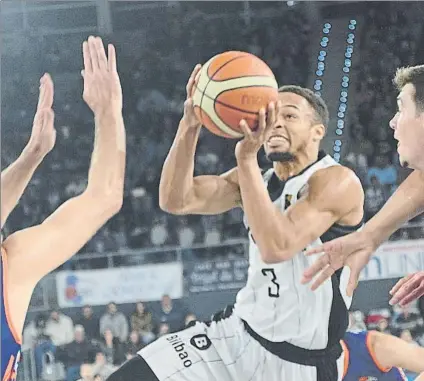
x=216 y=72
x=233 y=107
x=242 y=76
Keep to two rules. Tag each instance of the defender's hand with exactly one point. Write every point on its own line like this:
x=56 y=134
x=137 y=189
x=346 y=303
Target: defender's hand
x=252 y=142
x=408 y=289
x=43 y=135
x=190 y=119
x=353 y=250
x=102 y=87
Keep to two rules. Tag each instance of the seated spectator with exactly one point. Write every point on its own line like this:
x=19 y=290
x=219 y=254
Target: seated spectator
x=115 y=321
x=90 y=323
x=60 y=328
x=385 y=172
x=78 y=352
x=102 y=367
x=383 y=326
x=35 y=337
x=163 y=329
x=409 y=320
x=374 y=198
x=133 y=345
x=141 y=322
x=356 y=321
x=112 y=348
x=170 y=314
x=190 y=318
x=86 y=372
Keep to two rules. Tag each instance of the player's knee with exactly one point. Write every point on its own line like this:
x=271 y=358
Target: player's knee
x=134 y=369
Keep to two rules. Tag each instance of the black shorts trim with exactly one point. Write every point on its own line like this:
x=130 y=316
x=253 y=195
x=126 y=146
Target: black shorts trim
x=135 y=369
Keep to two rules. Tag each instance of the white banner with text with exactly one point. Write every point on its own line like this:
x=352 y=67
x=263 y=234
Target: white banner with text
x=395 y=259
x=120 y=285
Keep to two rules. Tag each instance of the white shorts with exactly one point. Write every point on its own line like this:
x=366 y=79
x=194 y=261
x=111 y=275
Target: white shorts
x=223 y=351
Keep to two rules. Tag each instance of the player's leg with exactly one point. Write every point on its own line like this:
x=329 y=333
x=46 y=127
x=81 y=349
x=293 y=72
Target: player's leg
x=188 y=355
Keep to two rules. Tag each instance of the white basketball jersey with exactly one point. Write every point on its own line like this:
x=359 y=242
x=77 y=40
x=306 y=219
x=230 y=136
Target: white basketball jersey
x=274 y=303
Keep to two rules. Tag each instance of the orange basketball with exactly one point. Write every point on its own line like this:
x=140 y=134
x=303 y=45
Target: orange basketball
x=233 y=86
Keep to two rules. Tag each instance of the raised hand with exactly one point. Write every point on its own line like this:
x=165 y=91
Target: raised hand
x=190 y=118
x=353 y=250
x=253 y=140
x=43 y=135
x=408 y=289
x=102 y=87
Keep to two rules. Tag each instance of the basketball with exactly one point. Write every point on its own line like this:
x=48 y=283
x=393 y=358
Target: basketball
x=232 y=86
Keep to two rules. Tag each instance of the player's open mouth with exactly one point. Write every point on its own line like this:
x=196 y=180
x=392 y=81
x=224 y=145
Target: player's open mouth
x=277 y=139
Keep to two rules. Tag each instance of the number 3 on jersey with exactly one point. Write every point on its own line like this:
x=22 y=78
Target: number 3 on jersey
x=274 y=289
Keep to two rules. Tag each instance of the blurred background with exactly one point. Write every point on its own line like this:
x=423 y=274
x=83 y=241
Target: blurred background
x=147 y=273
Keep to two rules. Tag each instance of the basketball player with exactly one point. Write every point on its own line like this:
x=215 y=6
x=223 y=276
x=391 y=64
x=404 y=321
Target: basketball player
x=356 y=249
x=278 y=329
x=30 y=254
x=371 y=355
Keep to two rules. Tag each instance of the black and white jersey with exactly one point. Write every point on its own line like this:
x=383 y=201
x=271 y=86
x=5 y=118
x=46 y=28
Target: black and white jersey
x=274 y=303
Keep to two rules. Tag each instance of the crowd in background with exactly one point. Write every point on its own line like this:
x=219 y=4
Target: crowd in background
x=90 y=346
x=154 y=71
x=387 y=34
x=155 y=59
x=406 y=323
x=153 y=79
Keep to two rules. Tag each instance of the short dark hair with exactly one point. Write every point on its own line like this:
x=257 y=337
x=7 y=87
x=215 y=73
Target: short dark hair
x=415 y=76
x=317 y=103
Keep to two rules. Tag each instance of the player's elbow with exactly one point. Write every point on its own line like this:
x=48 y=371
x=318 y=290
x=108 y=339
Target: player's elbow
x=109 y=202
x=272 y=254
x=170 y=207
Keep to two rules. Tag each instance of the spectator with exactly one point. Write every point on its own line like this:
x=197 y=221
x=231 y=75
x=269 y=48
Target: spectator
x=34 y=337
x=408 y=320
x=75 y=354
x=60 y=328
x=133 y=345
x=384 y=171
x=170 y=314
x=356 y=321
x=374 y=198
x=90 y=323
x=163 y=329
x=86 y=372
x=112 y=348
x=190 y=318
x=383 y=326
x=115 y=321
x=102 y=367
x=142 y=323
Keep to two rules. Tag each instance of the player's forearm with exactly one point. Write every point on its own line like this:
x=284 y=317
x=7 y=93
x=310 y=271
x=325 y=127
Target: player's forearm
x=264 y=219
x=107 y=168
x=14 y=180
x=176 y=180
x=406 y=203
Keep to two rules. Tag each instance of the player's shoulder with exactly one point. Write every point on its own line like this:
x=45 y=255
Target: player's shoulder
x=336 y=180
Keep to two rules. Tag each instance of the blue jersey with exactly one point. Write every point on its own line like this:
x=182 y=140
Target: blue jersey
x=10 y=340
x=361 y=363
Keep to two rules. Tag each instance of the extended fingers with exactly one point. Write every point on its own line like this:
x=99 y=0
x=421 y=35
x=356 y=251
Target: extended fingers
x=407 y=288
x=194 y=75
x=327 y=273
x=399 y=284
x=88 y=68
x=320 y=264
x=244 y=127
x=272 y=115
x=111 y=55
x=45 y=99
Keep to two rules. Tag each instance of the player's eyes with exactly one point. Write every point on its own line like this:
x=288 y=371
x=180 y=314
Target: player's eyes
x=290 y=116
